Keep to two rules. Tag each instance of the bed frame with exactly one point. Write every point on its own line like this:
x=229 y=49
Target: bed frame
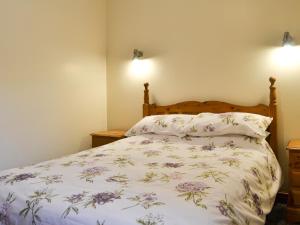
x=194 y=107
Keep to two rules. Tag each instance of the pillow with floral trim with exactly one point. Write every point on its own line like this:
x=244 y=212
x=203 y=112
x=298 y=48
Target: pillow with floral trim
x=215 y=124
x=171 y=124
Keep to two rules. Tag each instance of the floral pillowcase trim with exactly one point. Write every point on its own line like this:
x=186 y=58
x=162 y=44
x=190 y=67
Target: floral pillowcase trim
x=172 y=124
x=212 y=124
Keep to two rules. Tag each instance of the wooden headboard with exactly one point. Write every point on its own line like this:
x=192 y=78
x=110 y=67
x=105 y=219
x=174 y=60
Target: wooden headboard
x=195 y=107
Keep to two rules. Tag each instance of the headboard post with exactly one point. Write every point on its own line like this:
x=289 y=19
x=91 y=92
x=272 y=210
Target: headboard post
x=273 y=113
x=146 y=106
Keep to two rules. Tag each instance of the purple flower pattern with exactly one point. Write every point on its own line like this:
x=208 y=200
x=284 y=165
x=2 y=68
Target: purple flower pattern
x=209 y=128
x=173 y=165
x=103 y=198
x=4 y=177
x=146 y=142
x=251 y=198
x=227 y=209
x=144 y=129
x=90 y=173
x=209 y=147
x=21 y=177
x=74 y=200
x=272 y=172
x=230 y=145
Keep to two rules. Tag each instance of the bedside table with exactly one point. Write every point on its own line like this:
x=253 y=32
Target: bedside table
x=106 y=137
x=293 y=210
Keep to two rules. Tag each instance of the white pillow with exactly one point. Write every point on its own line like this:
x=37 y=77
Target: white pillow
x=212 y=124
x=170 y=124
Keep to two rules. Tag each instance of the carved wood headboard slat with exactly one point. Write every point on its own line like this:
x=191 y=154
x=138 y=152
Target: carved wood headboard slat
x=195 y=107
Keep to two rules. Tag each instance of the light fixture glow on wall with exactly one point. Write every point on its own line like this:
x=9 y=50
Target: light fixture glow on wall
x=288 y=55
x=140 y=66
x=287 y=40
x=137 y=54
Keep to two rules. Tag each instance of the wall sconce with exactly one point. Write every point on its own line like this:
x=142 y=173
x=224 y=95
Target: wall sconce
x=137 y=54
x=287 y=40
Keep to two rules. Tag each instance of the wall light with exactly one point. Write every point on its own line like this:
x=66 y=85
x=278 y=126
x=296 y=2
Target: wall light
x=287 y=40
x=137 y=54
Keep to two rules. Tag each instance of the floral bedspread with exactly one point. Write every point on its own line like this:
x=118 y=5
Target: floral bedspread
x=147 y=180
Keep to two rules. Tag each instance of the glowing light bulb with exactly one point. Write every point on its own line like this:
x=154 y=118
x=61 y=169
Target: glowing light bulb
x=141 y=67
x=287 y=56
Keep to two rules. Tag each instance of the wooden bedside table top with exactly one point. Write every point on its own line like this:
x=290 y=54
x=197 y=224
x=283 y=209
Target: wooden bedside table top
x=293 y=145
x=110 y=133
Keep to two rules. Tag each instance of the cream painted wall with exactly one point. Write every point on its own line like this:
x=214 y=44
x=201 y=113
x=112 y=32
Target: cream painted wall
x=201 y=50
x=52 y=78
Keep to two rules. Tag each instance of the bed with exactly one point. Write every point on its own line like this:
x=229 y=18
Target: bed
x=152 y=179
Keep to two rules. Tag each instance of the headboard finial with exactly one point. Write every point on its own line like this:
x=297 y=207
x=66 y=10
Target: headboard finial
x=273 y=100
x=272 y=81
x=146 y=93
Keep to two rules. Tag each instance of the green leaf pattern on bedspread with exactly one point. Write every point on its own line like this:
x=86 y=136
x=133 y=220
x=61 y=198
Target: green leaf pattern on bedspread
x=147 y=180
